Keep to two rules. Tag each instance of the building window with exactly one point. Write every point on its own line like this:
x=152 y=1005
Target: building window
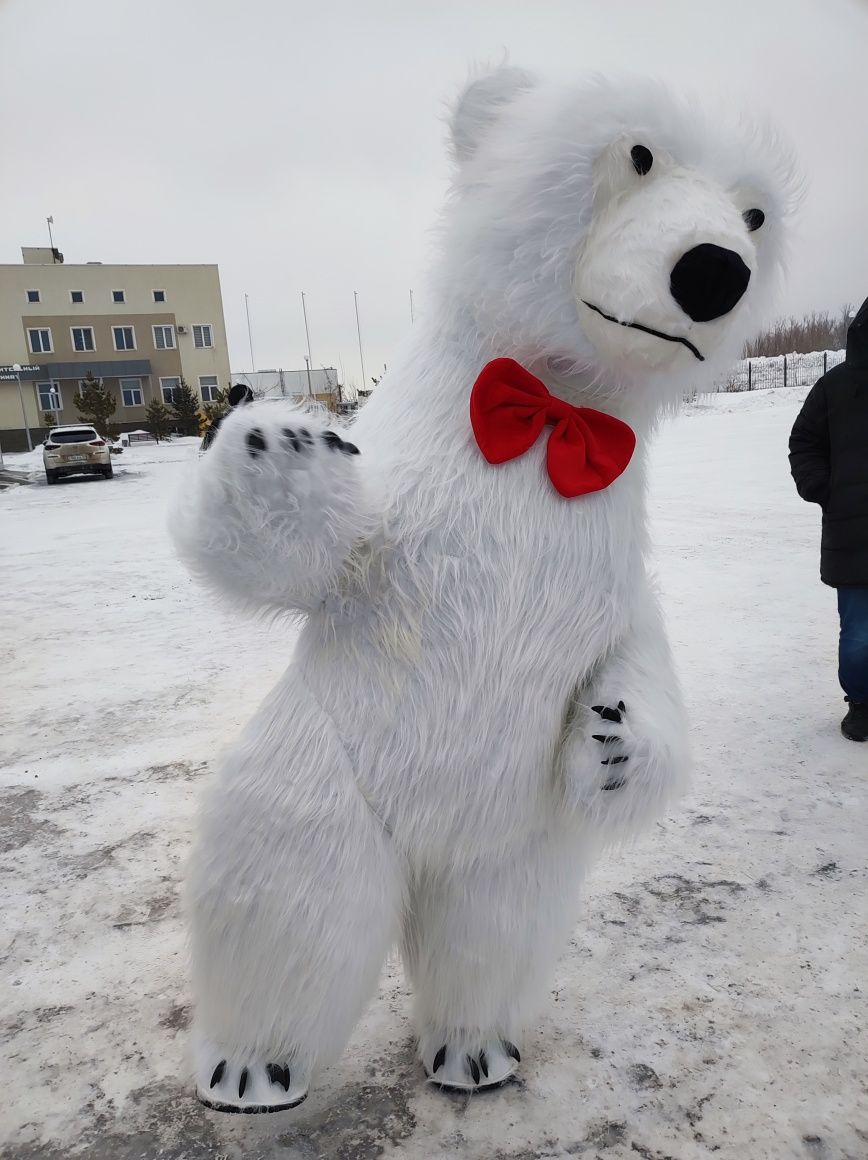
x=40 y=340
x=159 y=295
x=82 y=338
x=168 y=388
x=49 y=397
x=33 y=296
x=131 y=392
x=202 y=335
x=208 y=388
x=164 y=337
x=76 y=296
x=119 y=295
x=125 y=337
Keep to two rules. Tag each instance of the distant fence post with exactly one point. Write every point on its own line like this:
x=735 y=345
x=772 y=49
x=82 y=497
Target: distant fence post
x=785 y=370
x=825 y=357
x=749 y=375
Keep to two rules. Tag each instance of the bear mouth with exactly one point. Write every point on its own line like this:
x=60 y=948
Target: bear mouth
x=647 y=330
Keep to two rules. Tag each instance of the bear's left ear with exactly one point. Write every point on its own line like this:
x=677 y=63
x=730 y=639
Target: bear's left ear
x=481 y=103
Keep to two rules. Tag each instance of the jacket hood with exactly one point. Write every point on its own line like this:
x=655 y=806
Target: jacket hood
x=857 y=338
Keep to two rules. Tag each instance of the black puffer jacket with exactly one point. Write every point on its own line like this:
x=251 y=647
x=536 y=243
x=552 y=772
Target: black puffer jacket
x=829 y=459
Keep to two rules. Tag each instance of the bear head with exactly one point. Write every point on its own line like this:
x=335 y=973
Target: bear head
x=610 y=232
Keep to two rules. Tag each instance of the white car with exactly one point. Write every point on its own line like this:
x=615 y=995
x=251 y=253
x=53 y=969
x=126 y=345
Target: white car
x=75 y=450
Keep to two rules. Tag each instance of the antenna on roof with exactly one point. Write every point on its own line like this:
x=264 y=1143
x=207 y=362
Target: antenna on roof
x=56 y=255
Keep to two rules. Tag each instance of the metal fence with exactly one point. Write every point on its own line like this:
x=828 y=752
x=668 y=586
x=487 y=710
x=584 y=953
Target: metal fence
x=788 y=370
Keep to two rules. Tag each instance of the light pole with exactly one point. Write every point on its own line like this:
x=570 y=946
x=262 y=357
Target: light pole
x=306 y=331
x=249 y=335
x=307 y=364
x=359 y=332
x=17 y=370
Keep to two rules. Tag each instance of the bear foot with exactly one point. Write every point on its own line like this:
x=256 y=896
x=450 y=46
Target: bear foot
x=227 y=1083
x=456 y=1069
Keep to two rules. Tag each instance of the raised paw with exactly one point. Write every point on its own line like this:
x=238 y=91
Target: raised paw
x=267 y=447
x=251 y=1087
x=456 y=1069
x=613 y=740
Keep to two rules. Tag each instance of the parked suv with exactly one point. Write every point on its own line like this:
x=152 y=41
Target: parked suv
x=75 y=450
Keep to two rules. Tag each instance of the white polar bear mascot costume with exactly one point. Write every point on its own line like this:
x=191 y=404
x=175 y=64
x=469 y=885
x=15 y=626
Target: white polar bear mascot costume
x=482 y=694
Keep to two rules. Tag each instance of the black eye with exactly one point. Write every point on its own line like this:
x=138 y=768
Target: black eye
x=642 y=159
x=753 y=219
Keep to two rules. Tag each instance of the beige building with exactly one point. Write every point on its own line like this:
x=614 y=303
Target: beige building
x=138 y=328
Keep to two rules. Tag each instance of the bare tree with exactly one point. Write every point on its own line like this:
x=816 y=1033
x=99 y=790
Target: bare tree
x=817 y=331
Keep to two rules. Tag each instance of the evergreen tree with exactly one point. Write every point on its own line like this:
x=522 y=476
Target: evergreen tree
x=96 y=405
x=185 y=409
x=158 y=419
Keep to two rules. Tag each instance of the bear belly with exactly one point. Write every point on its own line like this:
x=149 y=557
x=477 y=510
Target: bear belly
x=455 y=698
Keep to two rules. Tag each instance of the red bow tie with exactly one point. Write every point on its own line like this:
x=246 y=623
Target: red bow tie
x=587 y=450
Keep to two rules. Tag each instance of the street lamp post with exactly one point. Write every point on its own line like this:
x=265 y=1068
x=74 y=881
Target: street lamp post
x=17 y=371
x=359 y=332
x=309 y=387
x=306 y=331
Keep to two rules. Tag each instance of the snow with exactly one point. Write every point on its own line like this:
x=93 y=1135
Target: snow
x=712 y=1000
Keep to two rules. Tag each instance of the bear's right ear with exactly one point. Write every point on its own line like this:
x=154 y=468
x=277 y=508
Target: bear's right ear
x=481 y=103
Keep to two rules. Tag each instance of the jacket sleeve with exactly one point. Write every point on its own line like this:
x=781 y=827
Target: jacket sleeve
x=810 y=455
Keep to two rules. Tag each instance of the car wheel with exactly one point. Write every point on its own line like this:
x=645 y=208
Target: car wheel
x=50 y=476
x=108 y=472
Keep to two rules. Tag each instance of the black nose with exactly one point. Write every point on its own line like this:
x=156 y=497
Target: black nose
x=708 y=281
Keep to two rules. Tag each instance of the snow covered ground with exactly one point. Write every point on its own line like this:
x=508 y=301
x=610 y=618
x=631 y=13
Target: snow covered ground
x=712 y=1002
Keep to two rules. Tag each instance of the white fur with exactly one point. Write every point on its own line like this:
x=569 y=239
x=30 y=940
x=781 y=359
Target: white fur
x=426 y=769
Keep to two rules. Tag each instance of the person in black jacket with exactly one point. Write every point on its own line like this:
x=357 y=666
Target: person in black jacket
x=829 y=462
x=239 y=394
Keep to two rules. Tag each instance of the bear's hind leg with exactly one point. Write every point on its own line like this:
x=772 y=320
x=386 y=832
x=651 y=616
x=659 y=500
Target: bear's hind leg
x=480 y=942
x=294 y=895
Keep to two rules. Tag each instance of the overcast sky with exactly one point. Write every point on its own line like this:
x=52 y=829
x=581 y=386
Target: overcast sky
x=300 y=145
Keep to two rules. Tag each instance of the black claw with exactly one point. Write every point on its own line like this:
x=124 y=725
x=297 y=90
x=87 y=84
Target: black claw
x=512 y=1050
x=278 y=1074
x=609 y=714
x=294 y=441
x=335 y=443
x=242 y=1083
x=305 y=435
x=483 y=1063
x=617 y=783
x=615 y=760
x=255 y=442
x=622 y=706
x=217 y=1074
x=439 y=1059
x=474 y=1068
x=605 y=738
x=289 y=433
